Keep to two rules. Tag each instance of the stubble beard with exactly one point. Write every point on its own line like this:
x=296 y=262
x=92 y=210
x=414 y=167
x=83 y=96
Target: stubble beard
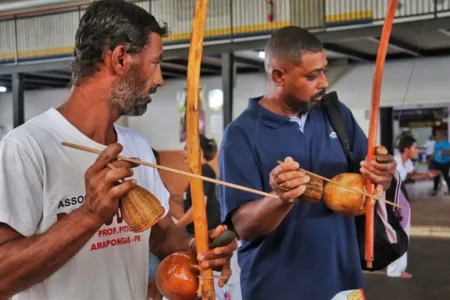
x=128 y=95
x=303 y=106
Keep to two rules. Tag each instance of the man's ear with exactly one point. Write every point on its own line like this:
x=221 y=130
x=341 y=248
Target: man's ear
x=121 y=60
x=278 y=77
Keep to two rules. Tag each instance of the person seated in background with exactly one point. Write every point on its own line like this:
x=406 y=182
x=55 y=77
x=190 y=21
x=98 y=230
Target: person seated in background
x=407 y=151
x=208 y=152
x=441 y=160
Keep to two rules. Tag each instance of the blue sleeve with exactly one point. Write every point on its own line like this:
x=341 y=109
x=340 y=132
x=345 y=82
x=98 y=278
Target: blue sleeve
x=441 y=146
x=237 y=165
x=437 y=152
x=357 y=137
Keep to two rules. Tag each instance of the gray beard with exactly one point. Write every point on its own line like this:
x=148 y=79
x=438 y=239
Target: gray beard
x=127 y=99
x=138 y=108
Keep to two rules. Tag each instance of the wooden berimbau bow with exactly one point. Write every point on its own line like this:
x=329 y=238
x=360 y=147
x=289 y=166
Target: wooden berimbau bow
x=193 y=143
x=373 y=127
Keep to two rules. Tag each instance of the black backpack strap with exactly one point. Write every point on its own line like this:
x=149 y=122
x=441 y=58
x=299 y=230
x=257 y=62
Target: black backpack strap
x=331 y=106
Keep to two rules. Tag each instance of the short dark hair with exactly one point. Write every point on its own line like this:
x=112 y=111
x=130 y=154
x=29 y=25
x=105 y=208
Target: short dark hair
x=107 y=24
x=209 y=147
x=406 y=142
x=290 y=43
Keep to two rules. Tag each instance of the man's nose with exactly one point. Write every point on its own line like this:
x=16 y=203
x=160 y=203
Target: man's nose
x=159 y=81
x=159 y=78
x=323 y=82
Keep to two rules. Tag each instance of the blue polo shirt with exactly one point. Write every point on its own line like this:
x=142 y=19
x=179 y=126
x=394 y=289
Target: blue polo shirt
x=313 y=254
x=438 y=147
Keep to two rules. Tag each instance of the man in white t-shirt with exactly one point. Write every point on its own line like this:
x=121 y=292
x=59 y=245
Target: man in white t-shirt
x=429 y=150
x=429 y=146
x=61 y=232
x=407 y=150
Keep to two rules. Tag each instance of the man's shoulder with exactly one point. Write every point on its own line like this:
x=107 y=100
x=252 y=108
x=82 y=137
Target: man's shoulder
x=344 y=108
x=245 y=117
x=132 y=138
x=440 y=144
x=207 y=170
x=34 y=130
x=409 y=165
x=240 y=126
x=129 y=133
x=336 y=103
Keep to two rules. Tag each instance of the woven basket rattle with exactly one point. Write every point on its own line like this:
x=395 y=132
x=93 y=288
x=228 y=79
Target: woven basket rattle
x=140 y=208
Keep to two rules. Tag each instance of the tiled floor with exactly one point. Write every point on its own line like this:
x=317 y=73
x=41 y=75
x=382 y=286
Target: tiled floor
x=428 y=262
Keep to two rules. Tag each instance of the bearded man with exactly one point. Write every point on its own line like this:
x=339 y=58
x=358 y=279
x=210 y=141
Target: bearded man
x=61 y=233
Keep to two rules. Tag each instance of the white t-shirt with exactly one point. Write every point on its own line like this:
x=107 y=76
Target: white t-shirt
x=403 y=168
x=40 y=180
x=429 y=145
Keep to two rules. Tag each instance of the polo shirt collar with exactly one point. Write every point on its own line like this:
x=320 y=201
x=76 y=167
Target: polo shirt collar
x=267 y=117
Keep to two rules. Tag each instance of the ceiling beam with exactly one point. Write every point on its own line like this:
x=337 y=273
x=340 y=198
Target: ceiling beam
x=45 y=81
x=248 y=62
x=396 y=44
x=347 y=52
x=357 y=31
x=174 y=74
x=217 y=61
x=326 y=35
x=50 y=75
x=211 y=60
x=64 y=72
x=32 y=85
x=29 y=85
x=183 y=67
x=42 y=65
x=6 y=83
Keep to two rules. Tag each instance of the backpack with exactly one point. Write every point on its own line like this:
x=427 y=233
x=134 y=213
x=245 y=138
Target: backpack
x=390 y=223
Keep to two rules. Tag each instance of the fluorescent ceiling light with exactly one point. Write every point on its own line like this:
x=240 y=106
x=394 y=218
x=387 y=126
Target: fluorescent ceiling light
x=262 y=54
x=3 y=89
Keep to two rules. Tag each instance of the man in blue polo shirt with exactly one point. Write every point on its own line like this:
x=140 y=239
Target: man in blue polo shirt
x=441 y=160
x=292 y=249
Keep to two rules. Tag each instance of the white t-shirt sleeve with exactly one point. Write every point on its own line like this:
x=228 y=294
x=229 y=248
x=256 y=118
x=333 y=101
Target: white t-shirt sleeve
x=21 y=188
x=409 y=166
x=429 y=145
x=400 y=167
x=404 y=168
